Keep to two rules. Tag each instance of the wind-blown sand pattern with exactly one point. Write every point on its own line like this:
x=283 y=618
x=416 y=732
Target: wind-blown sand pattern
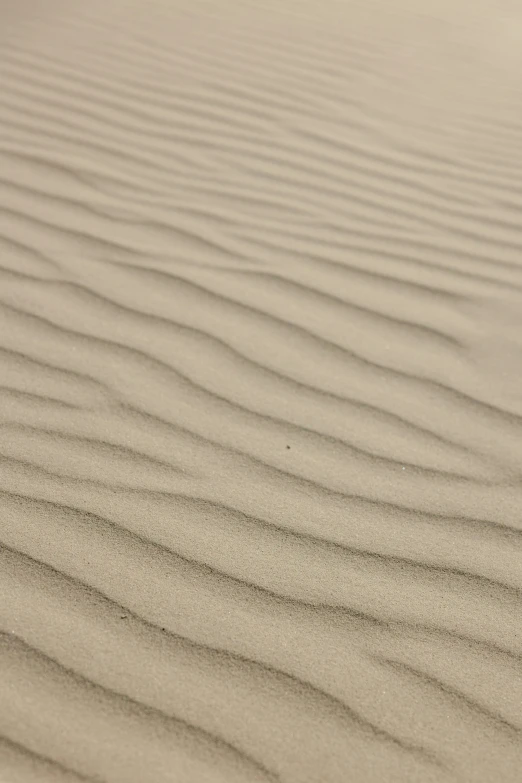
x=261 y=391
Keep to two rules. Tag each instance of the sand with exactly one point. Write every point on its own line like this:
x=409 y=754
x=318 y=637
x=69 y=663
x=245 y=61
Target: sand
x=260 y=391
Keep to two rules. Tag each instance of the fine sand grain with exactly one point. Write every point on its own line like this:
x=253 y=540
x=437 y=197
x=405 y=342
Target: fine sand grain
x=260 y=391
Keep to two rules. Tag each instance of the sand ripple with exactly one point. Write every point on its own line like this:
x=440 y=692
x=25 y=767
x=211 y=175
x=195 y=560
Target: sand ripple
x=260 y=392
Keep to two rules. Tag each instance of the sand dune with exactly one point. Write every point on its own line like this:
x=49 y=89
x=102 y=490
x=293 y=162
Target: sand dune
x=260 y=392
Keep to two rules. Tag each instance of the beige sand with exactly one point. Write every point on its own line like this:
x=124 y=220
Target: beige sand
x=261 y=391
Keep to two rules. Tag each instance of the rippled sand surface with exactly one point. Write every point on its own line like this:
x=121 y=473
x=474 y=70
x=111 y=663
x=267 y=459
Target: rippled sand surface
x=260 y=391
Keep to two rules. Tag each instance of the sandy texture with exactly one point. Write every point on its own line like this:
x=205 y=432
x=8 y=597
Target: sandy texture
x=260 y=391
